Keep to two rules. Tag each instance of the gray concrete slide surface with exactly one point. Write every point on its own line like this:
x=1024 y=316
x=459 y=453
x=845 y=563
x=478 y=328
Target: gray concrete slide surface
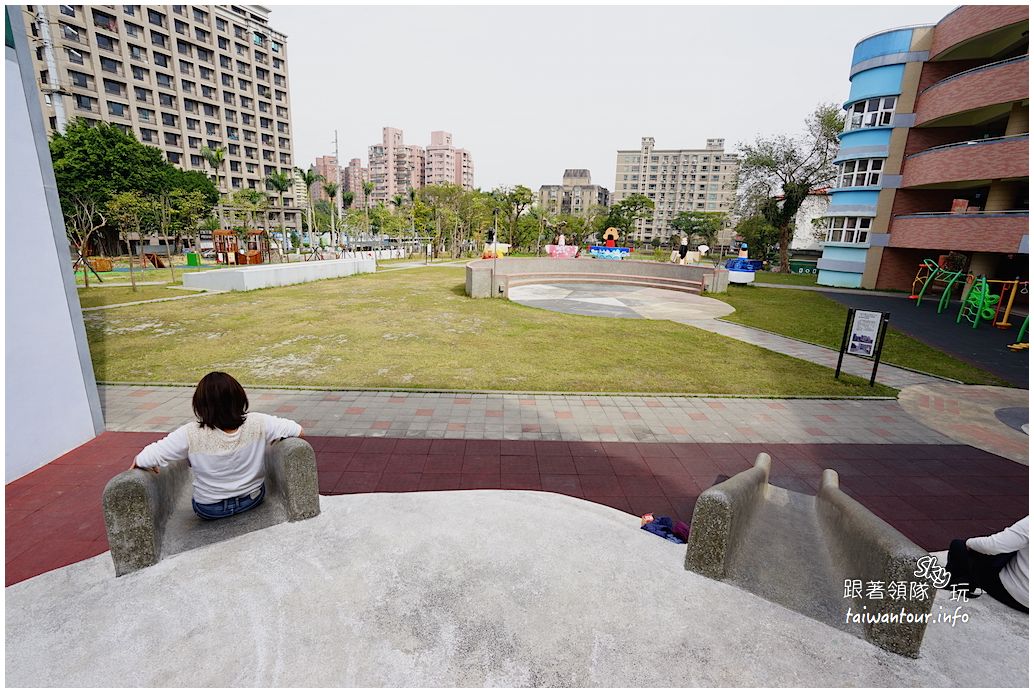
x=461 y=588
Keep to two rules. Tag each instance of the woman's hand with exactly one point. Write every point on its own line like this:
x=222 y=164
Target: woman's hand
x=146 y=469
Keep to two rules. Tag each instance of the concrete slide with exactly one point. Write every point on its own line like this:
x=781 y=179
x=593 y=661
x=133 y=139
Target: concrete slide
x=798 y=550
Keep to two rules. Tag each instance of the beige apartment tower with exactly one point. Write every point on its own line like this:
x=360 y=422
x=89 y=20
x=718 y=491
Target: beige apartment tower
x=447 y=164
x=395 y=167
x=180 y=77
x=677 y=180
x=576 y=195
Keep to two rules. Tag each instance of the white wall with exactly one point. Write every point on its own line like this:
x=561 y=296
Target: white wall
x=51 y=396
x=814 y=207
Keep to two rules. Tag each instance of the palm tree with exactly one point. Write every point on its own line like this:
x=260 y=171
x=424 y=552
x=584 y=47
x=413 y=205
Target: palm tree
x=310 y=178
x=368 y=187
x=347 y=198
x=331 y=190
x=412 y=212
x=215 y=158
x=281 y=182
x=397 y=202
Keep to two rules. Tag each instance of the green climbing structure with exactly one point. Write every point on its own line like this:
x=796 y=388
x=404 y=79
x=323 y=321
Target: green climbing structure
x=939 y=274
x=978 y=303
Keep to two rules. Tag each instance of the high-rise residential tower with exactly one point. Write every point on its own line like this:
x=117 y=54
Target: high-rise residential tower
x=180 y=77
x=677 y=180
x=447 y=164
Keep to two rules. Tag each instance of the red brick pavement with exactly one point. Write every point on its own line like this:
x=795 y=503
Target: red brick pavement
x=931 y=493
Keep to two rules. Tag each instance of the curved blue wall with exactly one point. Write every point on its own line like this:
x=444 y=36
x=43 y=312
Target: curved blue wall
x=879 y=81
x=889 y=43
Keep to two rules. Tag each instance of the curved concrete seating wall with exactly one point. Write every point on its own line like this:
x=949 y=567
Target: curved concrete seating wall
x=480 y=272
x=869 y=549
x=251 y=277
x=149 y=515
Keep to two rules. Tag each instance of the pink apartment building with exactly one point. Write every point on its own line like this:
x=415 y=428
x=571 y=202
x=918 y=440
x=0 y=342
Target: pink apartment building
x=447 y=164
x=327 y=167
x=354 y=177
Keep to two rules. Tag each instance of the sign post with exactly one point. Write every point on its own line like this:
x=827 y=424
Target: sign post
x=864 y=333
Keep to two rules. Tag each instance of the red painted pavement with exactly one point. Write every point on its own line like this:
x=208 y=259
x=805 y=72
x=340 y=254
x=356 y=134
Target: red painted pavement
x=931 y=493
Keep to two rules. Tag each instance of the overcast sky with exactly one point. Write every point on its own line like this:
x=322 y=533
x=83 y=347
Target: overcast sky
x=530 y=91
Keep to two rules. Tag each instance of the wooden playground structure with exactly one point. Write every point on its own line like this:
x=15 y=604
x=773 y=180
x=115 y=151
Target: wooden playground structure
x=230 y=251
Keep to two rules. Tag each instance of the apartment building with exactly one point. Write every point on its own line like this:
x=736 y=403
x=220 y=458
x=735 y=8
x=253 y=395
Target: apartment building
x=395 y=167
x=180 y=77
x=677 y=180
x=354 y=176
x=447 y=164
x=934 y=156
x=575 y=195
x=327 y=167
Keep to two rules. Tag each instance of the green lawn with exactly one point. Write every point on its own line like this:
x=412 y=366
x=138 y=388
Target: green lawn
x=109 y=296
x=147 y=275
x=417 y=329
x=812 y=317
x=786 y=278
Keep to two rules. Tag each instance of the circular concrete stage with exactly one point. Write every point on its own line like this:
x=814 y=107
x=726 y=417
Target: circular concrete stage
x=618 y=301
x=459 y=588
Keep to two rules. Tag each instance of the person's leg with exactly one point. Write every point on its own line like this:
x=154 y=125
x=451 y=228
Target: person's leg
x=959 y=563
x=986 y=575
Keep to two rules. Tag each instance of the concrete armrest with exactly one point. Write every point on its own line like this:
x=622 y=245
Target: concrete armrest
x=137 y=504
x=721 y=514
x=291 y=471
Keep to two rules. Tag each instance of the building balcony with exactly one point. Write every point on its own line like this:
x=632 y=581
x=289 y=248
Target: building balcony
x=991 y=232
x=966 y=164
x=979 y=31
x=976 y=95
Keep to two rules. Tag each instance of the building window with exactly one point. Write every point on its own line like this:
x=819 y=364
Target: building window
x=220 y=24
x=170 y=120
x=161 y=60
x=68 y=10
x=174 y=157
x=70 y=32
x=84 y=103
x=848 y=230
x=117 y=109
x=853 y=174
x=79 y=79
x=871 y=113
x=109 y=65
x=164 y=80
x=148 y=135
x=155 y=18
x=158 y=39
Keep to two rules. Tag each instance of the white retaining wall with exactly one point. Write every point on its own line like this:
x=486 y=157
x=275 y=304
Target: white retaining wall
x=282 y=274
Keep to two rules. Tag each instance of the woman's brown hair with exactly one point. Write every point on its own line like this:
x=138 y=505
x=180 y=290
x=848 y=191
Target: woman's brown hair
x=220 y=402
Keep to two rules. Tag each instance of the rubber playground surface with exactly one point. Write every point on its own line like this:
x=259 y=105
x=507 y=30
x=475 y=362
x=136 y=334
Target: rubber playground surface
x=984 y=346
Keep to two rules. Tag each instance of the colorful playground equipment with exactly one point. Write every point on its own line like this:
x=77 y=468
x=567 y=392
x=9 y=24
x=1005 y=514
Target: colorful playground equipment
x=979 y=302
x=741 y=269
x=609 y=250
x=562 y=251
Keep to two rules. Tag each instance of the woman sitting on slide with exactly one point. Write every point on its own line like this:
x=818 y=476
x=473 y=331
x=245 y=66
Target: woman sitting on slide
x=225 y=448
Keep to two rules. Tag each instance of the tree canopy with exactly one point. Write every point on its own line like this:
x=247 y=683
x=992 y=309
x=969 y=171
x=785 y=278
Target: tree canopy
x=785 y=169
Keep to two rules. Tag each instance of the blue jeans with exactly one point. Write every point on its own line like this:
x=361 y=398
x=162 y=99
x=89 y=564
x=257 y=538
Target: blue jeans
x=228 y=507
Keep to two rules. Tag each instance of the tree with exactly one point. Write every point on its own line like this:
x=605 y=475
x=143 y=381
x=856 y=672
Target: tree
x=215 y=158
x=97 y=161
x=514 y=202
x=127 y=211
x=789 y=167
x=162 y=210
x=84 y=219
x=281 y=182
x=699 y=227
x=189 y=208
x=623 y=215
x=760 y=236
x=309 y=179
x=331 y=190
x=250 y=202
x=368 y=187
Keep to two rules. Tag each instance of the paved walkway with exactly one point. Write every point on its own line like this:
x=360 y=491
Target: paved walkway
x=643 y=419
x=699 y=312
x=977 y=415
